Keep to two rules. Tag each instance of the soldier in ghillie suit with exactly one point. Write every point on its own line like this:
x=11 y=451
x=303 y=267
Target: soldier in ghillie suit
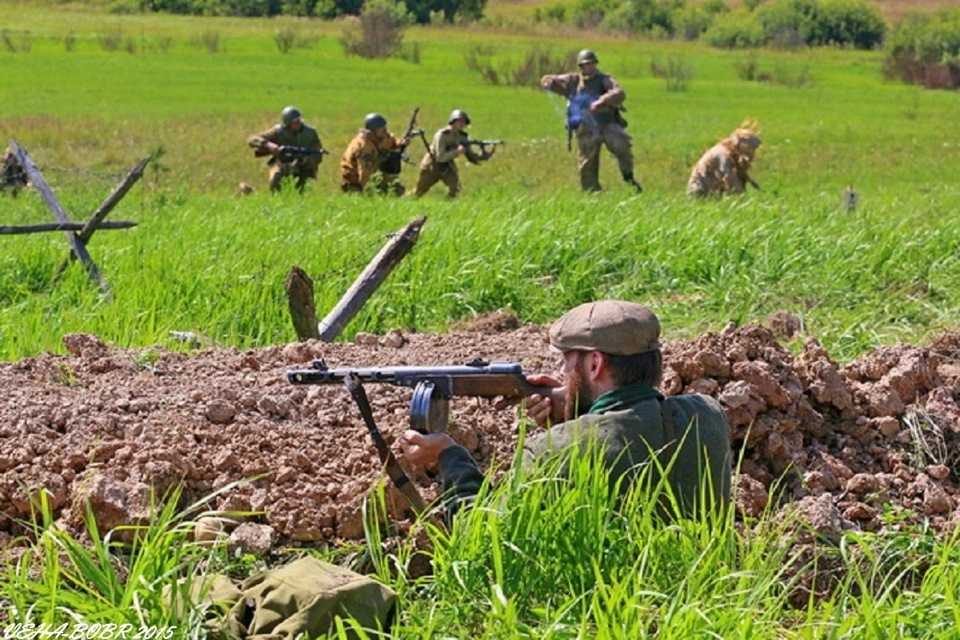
x=365 y=160
x=12 y=176
x=594 y=105
x=439 y=163
x=292 y=132
x=725 y=167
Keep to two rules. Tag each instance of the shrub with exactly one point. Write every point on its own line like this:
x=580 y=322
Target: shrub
x=640 y=16
x=692 y=20
x=536 y=63
x=848 y=22
x=738 y=29
x=788 y=23
x=378 y=33
x=676 y=72
x=552 y=13
x=925 y=50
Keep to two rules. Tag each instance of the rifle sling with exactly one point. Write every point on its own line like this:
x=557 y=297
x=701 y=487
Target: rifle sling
x=394 y=470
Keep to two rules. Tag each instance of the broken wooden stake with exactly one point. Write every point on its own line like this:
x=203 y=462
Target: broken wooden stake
x=299 y=289
x=363 y=287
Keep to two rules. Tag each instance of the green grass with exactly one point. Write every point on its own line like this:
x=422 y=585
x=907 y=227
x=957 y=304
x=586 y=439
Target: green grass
x=522 y=237
x=536 y=557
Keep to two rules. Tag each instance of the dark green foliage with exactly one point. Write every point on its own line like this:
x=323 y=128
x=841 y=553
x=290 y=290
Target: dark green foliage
x=736 y=30
x=651 y=16
x=849 y=22
x=817 y=23
x=421 y=9
x=926 y=50
x=465 y=10
x=693 y=20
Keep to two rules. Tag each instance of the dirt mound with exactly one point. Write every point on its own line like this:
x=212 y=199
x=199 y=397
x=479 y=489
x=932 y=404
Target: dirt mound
x=111 y=426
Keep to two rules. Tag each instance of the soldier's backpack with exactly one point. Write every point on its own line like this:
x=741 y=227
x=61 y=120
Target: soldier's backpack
x=301 y=599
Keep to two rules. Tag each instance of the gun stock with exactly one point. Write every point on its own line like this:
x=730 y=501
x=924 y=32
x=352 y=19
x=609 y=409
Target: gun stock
x=433 y=386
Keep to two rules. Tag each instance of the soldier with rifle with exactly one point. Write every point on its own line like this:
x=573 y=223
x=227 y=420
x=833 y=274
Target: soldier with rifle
x=725 y=167
x=439 y=163
x=367 y=159
x=294 y=148
x=594 y=106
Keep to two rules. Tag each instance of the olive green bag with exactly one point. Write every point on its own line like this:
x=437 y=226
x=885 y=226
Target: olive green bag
x=302 y=599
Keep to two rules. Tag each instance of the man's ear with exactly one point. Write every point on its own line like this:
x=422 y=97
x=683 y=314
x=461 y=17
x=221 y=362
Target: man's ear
x=596 y=365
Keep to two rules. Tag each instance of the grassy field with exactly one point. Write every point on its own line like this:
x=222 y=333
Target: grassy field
x=558 y=560
x=522 y=237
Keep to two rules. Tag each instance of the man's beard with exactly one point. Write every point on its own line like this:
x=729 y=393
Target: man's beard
x=578 y=397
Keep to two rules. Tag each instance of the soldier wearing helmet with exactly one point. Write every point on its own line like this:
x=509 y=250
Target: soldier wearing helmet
x=291 y=132
x=362 y=162
x=439 y=163
x=725 y=167
x=594 y=105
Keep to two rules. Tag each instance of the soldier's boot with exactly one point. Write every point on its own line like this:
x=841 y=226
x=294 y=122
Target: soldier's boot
x=629 y=179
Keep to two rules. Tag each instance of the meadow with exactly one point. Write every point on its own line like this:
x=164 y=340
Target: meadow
x=521 y=238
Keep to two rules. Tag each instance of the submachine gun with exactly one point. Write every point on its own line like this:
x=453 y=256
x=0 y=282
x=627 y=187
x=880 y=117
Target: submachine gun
x=397 y=157
x=430 y=407
x=432 y=386
x=289 y=153
x=483 y=144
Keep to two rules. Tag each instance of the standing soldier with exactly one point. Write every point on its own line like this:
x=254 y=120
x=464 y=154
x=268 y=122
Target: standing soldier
x=294 y=148
x=594 y=103
x=362 y=162
x=439 y=163
x=725 y=167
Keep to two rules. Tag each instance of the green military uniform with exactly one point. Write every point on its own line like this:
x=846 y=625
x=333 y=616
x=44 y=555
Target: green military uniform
x=301 y=168
x=629 y=424
x=439 y=163
x=594 y=129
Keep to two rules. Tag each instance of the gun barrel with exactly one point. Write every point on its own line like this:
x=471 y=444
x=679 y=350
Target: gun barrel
x=487 y=381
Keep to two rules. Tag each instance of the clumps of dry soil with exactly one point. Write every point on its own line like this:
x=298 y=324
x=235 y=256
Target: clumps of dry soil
x=112 y=427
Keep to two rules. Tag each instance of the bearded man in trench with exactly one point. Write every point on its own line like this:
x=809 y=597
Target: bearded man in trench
x=612 y=364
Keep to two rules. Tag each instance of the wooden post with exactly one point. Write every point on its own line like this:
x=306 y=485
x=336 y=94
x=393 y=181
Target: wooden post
x=96 y=220
x=40 y=184
x=371 y=278
x=299 y=288
x=11 y=229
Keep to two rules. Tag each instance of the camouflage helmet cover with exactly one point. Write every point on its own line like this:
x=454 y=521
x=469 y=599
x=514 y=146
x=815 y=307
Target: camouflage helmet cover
x=374 y=121
x=458 y=114
x=586 y=55
x=289 y=114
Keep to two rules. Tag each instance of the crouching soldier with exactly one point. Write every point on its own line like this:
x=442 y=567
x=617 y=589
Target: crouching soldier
x=439 y=163
x=725 y=167
x=294 y=148
x=12 y=175
x=365 y=162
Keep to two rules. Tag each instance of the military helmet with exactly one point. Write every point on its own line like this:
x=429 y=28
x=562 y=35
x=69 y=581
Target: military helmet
x=586 y=55
x=289 y=114
x=459 y=114
x=374 y=121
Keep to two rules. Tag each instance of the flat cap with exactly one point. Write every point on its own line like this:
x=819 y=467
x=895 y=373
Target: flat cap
x=611 y=326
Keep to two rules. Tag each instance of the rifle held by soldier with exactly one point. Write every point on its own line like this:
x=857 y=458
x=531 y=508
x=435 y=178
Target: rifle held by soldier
x=483 y=144
x=433 y=386
x=395 y=159
x=289 y=153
